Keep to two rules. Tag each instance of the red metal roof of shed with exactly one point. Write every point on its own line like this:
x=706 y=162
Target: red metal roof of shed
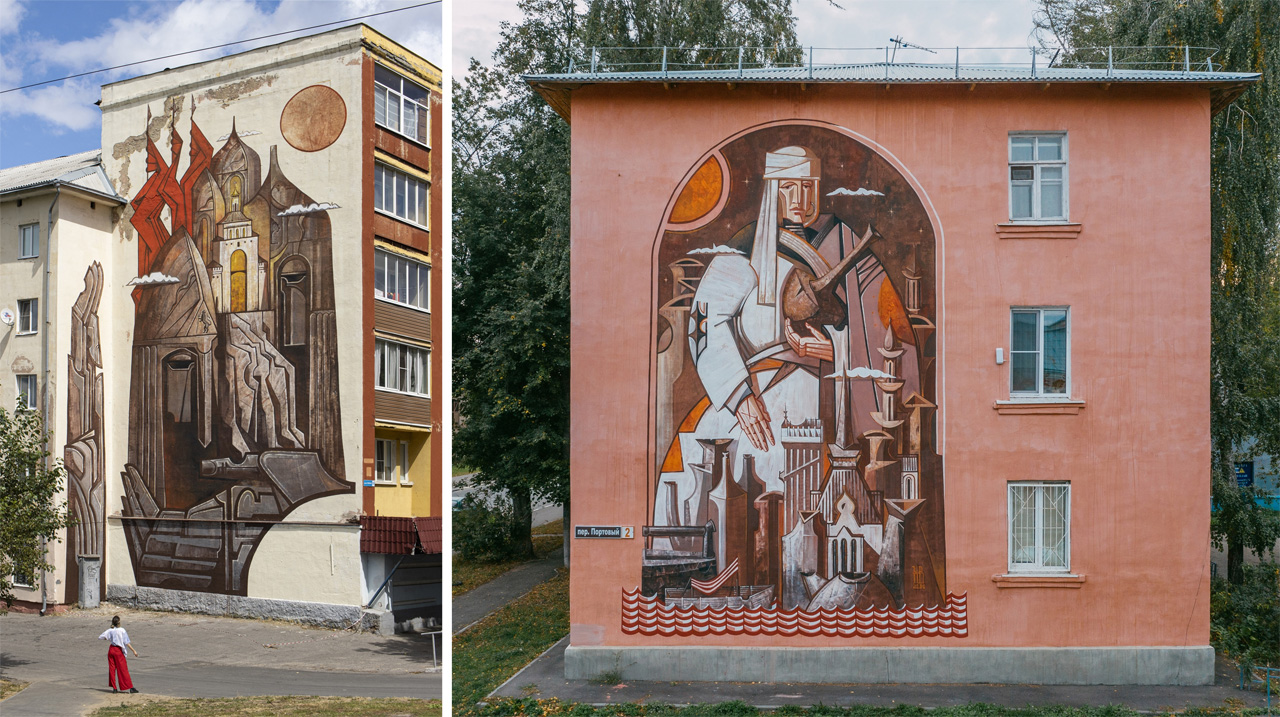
x=431 y=535
x=401 y=536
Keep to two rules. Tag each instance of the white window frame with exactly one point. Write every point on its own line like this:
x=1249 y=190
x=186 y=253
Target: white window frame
x=16 y=581
x=31 y=392
x=28 y=322
x=387 y=93
x=398 y=472
x=1037 y=181
x=1038 y=566
x=381 y=173
x=381 y=355
x=388 y=261
x=403 y=470
x=29 y=249
x=1039 y=394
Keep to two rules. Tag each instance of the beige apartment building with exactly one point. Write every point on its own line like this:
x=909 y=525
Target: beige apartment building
x=262 y=371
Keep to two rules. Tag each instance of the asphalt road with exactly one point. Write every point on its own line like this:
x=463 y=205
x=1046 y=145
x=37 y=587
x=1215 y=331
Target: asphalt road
x=199 y=656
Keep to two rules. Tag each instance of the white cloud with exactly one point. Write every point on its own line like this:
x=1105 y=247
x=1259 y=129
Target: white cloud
x=307 y=209
x=861 y=192
x=61 y=105
x=164 y=28
x=717 y=249
x=11 y=11
x=154 y=277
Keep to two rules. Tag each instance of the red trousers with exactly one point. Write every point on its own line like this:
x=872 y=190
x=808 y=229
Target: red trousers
x=118 y=669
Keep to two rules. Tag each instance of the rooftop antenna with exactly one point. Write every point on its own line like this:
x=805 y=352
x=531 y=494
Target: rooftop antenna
x=898 y=42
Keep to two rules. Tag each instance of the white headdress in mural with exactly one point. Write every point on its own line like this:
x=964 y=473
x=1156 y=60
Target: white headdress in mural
x=780 y=164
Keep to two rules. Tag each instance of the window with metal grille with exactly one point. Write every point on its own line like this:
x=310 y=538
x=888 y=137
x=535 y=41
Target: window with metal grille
x=401 y=105
x=1039 y=527
x=1039 y=352
x=399 y=194
x=1038 y=177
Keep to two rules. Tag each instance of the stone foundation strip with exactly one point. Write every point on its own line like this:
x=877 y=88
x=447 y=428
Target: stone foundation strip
x=307 y=613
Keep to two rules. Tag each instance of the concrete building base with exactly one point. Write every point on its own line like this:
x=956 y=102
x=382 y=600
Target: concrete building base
x=307 y=613
x=887 y=665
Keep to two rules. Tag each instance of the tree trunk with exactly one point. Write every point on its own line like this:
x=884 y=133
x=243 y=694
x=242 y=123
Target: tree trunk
x=568 y=532
x=521 y=524
x=1235 y=560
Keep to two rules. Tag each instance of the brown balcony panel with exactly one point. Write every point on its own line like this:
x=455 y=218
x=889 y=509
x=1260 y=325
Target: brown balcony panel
x=403 y=321
x=401 y=408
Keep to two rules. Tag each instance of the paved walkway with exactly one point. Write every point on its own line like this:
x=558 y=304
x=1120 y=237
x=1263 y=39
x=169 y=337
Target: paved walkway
x=544 y=678
x=198 y=656
x=471 y=606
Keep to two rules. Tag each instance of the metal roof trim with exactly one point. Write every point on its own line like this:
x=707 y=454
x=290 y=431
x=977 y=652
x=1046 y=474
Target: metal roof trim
x=1224 y=87
x=880 y=73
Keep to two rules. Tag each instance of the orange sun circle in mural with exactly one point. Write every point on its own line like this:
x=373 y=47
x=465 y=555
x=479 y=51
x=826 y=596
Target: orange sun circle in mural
x=313 y=119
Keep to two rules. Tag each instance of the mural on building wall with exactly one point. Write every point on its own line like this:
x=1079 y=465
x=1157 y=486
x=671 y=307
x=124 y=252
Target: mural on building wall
x=82 y=456
x=796 y=486
x=234 y=413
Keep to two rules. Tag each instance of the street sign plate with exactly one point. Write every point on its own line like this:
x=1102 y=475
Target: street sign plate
x=617 y=532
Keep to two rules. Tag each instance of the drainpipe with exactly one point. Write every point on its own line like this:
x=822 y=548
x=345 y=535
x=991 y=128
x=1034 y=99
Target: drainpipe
x=44 y=368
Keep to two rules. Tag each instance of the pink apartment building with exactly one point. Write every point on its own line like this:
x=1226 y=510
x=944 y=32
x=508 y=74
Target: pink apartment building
x=891 y=373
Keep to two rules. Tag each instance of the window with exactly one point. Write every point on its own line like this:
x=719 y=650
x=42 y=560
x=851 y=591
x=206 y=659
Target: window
x=392 y=462
x=24 y=581
x=30 y=241
x=400 y=367
x=1038 y=177
x=1039 y=527
x=1038 y=353
x=399 y=194
x=401 y=280
x=28 y=392
x=401 y=105
x=28 y=316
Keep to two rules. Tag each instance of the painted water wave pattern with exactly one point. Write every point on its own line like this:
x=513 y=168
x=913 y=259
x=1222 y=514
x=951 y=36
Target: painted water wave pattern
x=646 y=615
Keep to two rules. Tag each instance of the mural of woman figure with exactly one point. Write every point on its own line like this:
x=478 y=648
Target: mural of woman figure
x=791 y=444
x=117 y=665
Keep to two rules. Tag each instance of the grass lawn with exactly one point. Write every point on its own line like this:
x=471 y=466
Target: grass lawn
x=468 y=576
x=496 y=648
x=255 y=706
x=538 y=708
x=10 y=687
x=461 y=470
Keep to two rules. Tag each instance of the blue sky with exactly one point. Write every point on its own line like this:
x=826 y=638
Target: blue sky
x=45 y=39
x=855 y=23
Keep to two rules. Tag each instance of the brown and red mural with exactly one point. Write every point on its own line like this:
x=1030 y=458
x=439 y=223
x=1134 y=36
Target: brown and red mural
x=233 y=414
x=796 y=485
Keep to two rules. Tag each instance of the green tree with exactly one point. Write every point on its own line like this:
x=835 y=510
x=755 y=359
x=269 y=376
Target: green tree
x=28 y=487
x=1244 y=269
x=511 y=226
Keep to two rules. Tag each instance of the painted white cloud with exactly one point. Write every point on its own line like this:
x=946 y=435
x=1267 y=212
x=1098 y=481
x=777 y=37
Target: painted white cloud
x=861 y=192
x=863 y=372
x=154 y=277
x=717 y=249
x=307 y=209
x=239 y=132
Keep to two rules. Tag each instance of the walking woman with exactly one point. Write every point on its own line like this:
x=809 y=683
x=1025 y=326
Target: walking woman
x=117 y=665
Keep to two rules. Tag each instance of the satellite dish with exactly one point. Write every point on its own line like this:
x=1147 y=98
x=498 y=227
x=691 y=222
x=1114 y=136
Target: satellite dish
x=6 y=315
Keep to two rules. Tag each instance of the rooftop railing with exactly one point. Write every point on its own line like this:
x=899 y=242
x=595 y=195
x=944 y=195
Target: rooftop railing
x=676 y=60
